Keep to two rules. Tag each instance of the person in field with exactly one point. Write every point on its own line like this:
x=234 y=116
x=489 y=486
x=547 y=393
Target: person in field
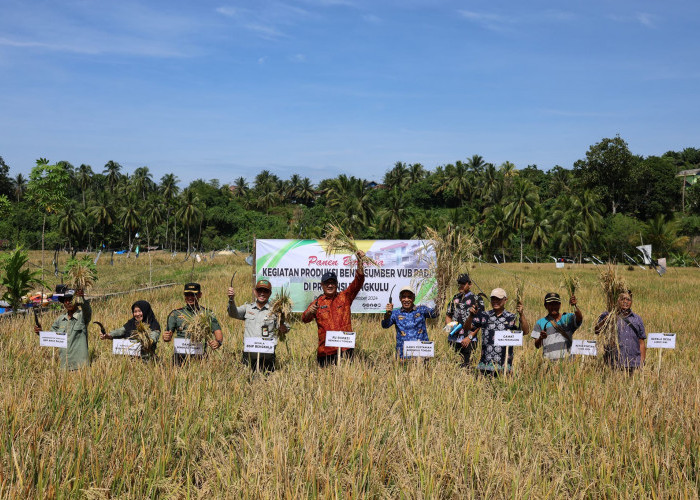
x=178 y=317
x=630 y=336
x=409 y=319
x=457 y=311
x=141 y=314
x=74 y=323
x=493 y=357
x=556 y=330
x=258 y=323
x=331 y=310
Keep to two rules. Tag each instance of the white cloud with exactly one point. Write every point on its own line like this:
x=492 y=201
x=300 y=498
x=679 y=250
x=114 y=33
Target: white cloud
x=227 y=11
x=265 y=31
x=645 y=19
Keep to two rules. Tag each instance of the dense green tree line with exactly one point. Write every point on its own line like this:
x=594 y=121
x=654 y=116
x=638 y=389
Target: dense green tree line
x=608 y=203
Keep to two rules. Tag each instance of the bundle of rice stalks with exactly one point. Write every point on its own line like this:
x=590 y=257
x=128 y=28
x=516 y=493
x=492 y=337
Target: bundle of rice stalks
x=519 y=290
x=142 y=336
x=446 y=253
x=337 y=241
x=571 y=283
x=612 y=286
x=82 y=273
x=198 y=326
x=282 y=308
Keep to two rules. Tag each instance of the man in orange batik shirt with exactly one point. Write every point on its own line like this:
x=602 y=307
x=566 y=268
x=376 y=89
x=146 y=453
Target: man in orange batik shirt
x=332 y=311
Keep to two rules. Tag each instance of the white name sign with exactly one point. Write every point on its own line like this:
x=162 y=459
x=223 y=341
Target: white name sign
x=661 y=340
x=186 y=346
x=418 y=349
x=126 y=347
x=584 y=347
x=340 y=339
x=561 y=265
x=53 y=339
x=506 y=338
x=259 y=344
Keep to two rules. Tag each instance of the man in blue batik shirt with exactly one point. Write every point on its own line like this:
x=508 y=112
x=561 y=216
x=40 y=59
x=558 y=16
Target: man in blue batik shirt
x=409 y=320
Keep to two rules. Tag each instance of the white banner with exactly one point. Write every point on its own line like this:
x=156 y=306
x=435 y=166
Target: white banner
x=186 y=346
x=53 y=339
x=584 y=347
x=297 y=265
x=418 y=348
x=506 y=338
x=126 y=347
x=259 y=344
x=340 y=339
x=661 y=340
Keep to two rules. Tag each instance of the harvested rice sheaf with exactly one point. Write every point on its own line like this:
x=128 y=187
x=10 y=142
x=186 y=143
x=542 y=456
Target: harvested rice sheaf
x=198 y=326
x=446 y=253
x=571 y=283
x=282 y=308
x=142 y=336
x=612 y=285
x=338 y=242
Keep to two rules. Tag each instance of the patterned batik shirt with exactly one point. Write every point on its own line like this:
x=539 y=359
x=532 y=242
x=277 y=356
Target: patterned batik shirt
x=492 y=356
x=410 y=325
x=458 y=310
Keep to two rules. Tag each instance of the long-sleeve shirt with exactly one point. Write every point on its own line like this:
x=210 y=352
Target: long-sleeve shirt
x=628 y=336
x=76 y=355
x=258 y=321
x=334 y=314
x=121 y=332
x=410 y=325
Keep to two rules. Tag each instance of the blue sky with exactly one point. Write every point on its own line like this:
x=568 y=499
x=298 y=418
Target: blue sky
x=219 y=89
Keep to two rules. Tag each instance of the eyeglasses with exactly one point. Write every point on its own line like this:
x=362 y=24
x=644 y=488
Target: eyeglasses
x=190 y=294
x=262 y=290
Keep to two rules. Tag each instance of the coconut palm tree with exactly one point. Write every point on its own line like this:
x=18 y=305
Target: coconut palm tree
x=102 y=212
x=19 y=184
x=168 y=190
x=189 y=212
x=241 y=187
x=71 y=223
x=84 y=178
x=570 y=229
x=392 y=218
x=130 y=215
x=113 y=171
x=524 y=197
x=142 y=182
x=415 y=173
x=306 y=194
x=538 y=223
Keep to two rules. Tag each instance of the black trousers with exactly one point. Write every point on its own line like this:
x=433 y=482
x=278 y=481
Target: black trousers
x=465 y=352
x=332 y=359
x=267 y=362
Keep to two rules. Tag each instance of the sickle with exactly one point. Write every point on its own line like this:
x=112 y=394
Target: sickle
x=234 y=275
x=102 y=328
x=391 y=293
x=36 y=320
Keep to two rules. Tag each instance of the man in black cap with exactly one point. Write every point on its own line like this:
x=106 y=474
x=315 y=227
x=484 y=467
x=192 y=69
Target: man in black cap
x=178 y=318
x=556 y=330
x=332 y=311
x=457 y=312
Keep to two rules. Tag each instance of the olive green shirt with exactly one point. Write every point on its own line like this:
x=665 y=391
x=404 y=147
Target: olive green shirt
x=76 y=355
x=120 y=333
x=177 y=318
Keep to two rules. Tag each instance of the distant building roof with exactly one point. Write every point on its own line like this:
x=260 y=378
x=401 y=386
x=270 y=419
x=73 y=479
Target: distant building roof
x=688 y=173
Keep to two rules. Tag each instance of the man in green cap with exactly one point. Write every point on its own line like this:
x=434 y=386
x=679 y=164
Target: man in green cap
x=74 y=323
x=178 y=318
x=259 y=323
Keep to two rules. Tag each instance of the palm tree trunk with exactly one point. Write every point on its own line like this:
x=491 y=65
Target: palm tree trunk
x=43 y=230
x=521 y=245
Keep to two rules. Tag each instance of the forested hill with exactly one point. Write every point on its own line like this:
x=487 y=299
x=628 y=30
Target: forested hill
x=608 y=203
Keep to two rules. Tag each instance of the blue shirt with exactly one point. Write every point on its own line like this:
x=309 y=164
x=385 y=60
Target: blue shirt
x=410 y=325
x=557 y=345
